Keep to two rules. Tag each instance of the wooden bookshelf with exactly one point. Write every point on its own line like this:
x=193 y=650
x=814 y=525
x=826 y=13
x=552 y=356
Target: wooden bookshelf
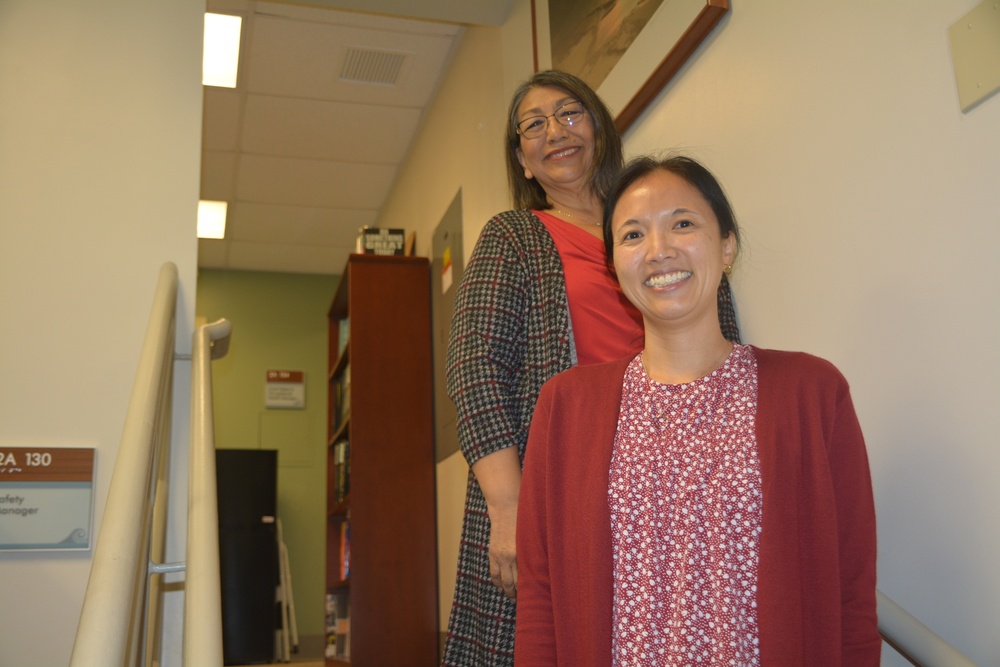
x=391 y=590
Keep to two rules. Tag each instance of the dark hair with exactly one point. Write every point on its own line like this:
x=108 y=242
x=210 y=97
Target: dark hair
x=527 y=193
x=687 y=168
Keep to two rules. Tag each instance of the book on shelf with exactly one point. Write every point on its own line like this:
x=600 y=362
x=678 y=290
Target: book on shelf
x=345 y=470
x=332 y=614
x=344 y=636
x=342 y=466
x=345 y=549
x=343 y=334
x=338 y=625
x=344 y=394
x=338 y=462
x=341 y=388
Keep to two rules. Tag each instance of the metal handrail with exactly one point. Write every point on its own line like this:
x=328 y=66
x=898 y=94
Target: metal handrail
x=913 y=640
x=108 y=633
x=203 y=591
x=119 y=623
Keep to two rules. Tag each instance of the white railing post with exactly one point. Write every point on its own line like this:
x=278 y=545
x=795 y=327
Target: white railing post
x=202 y=589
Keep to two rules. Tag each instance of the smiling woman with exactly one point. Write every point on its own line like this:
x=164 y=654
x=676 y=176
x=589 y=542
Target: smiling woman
x=536 y=298
x=557 y=150
x=696 y=484
x=669 y=253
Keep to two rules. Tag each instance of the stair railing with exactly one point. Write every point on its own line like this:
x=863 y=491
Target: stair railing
x=119 y=623
x=913 y=640
x=203 y=591
x=108 y=634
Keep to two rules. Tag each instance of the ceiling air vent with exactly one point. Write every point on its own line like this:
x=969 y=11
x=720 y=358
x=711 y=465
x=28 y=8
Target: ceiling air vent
x=369 y=66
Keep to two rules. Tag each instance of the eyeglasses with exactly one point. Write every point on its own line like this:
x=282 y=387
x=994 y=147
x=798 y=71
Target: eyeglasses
x=568 y=114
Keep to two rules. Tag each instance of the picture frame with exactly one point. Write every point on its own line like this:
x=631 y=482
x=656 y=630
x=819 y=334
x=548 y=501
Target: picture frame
x=651 y=60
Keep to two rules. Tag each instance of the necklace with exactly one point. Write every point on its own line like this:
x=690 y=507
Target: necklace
x=570 y=215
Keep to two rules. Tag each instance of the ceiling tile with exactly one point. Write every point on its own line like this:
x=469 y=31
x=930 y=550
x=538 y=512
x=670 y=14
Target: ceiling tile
x=218 y=175
x=299 y=59
x=221 y=119
x=297 y=225
x=272 y=180
x=284 y=126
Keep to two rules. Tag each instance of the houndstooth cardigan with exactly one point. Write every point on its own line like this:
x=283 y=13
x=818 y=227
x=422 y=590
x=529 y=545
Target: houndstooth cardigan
x=510 y=333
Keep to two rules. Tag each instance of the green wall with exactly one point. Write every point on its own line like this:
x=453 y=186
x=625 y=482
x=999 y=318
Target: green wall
x=279 y=323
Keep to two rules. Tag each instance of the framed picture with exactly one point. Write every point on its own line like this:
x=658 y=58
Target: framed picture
x=627 y=50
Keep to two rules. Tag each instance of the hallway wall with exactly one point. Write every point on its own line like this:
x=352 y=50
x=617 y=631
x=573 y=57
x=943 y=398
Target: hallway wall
x=870 y=206
x=100 y=120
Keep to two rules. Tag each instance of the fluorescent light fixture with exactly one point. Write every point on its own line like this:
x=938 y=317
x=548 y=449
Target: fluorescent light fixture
x=212 y=219
x=222 y=50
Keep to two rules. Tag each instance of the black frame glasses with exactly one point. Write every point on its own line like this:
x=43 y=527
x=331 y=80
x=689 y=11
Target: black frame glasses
x=568 y=114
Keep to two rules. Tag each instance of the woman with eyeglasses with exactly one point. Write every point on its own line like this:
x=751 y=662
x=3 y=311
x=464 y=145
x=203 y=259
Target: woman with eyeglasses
x=536 y=299
x=699 y=503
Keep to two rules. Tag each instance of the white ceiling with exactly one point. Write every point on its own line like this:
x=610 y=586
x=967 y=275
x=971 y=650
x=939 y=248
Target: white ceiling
x=307 y=146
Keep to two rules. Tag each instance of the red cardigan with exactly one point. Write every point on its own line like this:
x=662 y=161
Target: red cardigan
x=816 y=576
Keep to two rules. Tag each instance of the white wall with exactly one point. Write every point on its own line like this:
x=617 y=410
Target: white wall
x=871 y=207
x=100 y=121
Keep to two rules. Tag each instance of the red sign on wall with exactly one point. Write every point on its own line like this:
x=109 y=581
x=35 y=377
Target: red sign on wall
x=285 y=389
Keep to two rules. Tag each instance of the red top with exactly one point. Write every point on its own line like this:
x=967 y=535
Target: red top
x=606 y=326
x=685 y=497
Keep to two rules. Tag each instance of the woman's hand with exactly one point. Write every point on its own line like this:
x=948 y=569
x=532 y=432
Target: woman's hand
x=499 y=476
x=503 y=550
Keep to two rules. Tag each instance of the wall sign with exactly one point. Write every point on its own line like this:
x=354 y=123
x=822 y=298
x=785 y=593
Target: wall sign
x=46 y=497
x=376 y=241
x=285 y=389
